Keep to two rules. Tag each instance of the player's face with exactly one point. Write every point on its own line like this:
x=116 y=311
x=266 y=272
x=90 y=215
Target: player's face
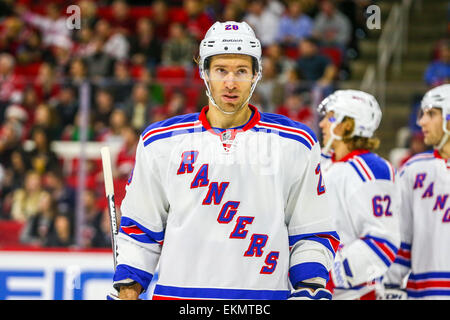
x=431 y=122
x=230 y=78
x=325 y=126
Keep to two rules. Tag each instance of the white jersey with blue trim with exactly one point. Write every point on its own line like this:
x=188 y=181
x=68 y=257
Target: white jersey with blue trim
x=237 y=214
x=423 y=261
x=363 y=197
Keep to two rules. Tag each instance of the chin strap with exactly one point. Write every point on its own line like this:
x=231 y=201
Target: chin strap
x=334 y=137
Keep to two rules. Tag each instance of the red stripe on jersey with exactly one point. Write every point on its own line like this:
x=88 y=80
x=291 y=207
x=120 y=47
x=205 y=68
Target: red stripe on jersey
x=406 y=254
x=427 y=284
x=362 y=166
x=132 y=230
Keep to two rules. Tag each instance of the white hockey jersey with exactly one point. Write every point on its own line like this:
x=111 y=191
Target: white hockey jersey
x=240 y=213
x=363 y=196
x=423 y=261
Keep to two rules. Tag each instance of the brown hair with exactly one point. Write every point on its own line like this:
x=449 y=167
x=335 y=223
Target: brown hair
x=357 y=142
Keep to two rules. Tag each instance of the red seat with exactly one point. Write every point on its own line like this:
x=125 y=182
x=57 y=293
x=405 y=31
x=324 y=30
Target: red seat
x=335 y=54
x=10 y=232
x=171 y=76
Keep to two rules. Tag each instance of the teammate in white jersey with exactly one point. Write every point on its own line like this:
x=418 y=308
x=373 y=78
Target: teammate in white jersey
x=229 y=202
x=362 y=194
x=423 y=263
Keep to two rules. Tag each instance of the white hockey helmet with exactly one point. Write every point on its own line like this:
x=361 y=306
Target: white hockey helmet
x=439 y=97
x=230 y=38
x=361 y=106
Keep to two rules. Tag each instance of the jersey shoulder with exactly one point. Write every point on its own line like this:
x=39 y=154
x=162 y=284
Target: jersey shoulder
x=371 y=167
x=287 y=128
x=181 y=124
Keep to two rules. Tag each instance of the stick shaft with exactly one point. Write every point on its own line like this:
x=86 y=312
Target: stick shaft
x=109 y=191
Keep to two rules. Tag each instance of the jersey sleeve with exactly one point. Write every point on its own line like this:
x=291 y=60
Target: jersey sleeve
x=313 y=240
x=144 y=214
x=374 y=209
x=400 y=268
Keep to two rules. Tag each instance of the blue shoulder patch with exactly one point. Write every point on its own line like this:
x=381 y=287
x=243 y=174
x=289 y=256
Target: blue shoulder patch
x=378 y=166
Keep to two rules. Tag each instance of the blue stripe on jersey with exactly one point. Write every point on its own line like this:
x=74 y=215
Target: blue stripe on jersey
x=430 y=275
x=171 y=121
x=427 y=293
x=378 y=251
x=145 y=236
x=377 y=165
x=315 y=237
x=357 y=171
x=405 y=246
x=285 y=121
x=124 y=271
x=403 y=262
x=284 y=135
x=219 y=293
x=307 y=270
x=173 y=133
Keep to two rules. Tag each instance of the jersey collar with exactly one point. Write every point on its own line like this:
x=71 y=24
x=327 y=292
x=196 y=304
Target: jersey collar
x=254 y=119
x=352 y=154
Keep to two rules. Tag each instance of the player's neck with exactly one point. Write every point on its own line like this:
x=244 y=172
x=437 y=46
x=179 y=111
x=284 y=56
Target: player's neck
x=445 y=150
x=340 y=150
x=218 y=119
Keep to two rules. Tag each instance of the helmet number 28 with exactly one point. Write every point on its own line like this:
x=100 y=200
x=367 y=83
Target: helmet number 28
x=231 y=27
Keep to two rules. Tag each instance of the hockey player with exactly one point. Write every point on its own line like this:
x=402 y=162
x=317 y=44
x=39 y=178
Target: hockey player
x=422 y=267
x=362 y=194
x=229 y=202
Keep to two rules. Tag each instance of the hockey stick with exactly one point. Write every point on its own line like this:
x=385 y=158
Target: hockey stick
x=109 y=191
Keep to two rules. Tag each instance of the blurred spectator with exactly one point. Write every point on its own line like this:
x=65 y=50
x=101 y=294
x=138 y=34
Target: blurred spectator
x=438 y=71
x=92 y=219
x=102 y=109
x=61 y=235
x=282 y=62
x=264 y=17
x=197 y=22
x=31 y=49
x=145 y=47
x=175 y=106
x=88 y=11
x=62 y=194
x=296 y=109
x=52 y=25
x=179 y=49
x=161 y=19
x=332 y=27
x=37 y=228
x=125 y=158
x=99 y=64
x=415 y=145
x=115 y=42
x=312 y=66
x=10 y=139
x=12 y=34
x=121 y=18
x=294 y=25
x=66 y=107
x=11 y=84
x=72 y=132
x=117 y=122
x=121 y=85
x=231 y=12
x=12 y=178
x=46 y=85
x=25 y=202
x=138 y=108
x=45 y=118
x=41 y=157
x=270 y=87
x=78 y=72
